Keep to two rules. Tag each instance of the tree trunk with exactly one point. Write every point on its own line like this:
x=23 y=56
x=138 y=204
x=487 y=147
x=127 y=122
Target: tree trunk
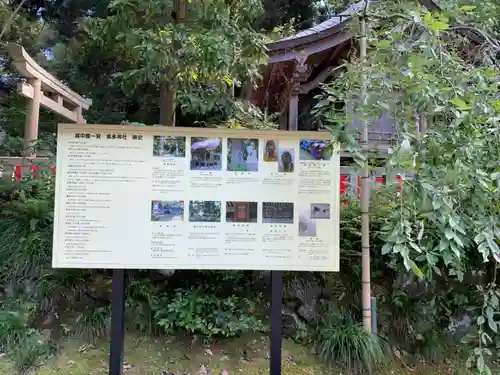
x=365 y=186
x=167 y=104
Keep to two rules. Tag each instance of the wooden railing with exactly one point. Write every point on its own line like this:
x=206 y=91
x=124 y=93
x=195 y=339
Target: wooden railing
x=16 y=168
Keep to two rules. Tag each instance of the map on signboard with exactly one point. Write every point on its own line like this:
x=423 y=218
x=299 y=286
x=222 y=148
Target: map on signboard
x=184 y=198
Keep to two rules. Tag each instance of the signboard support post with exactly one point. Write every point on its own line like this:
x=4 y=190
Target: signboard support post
x=117 y=323
x=276 y=322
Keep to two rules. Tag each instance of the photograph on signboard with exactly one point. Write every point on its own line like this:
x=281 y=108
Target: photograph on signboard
x=277 y=212
x=206 y=154
x=313 y=149
x=169 y=146
x=286 y=160
x=205 y=211
x=167 y=210
x=320 y=211
x=242 y=155
x=271 y=151
x=241 y=212
x=307 y=226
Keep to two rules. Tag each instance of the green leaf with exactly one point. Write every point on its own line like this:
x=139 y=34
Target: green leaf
x=491 y=322
x=386 y=249
x=460 y=104
x=415 y=247
x=467 y=8
x=449 y=234
x=383 y=43
x=228 y=80
x=468 y=338
x=415 y=269
x=435 y=24
x=480 y=320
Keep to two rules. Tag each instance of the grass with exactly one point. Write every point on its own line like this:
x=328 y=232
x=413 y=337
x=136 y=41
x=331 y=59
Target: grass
x=146 y=356
x=343 y=341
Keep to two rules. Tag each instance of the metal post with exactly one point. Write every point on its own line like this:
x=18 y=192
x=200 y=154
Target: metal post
x=374 y=315
x=117 y=323
x=276 y=322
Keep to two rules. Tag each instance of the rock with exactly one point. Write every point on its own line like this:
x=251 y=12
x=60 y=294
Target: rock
x=410 y=284
x=167 y=273
x=460 y=324
x=291 y=323
x=302 y=295
x=308 y=311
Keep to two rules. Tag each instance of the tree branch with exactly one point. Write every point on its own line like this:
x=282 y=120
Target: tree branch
x=11 y=18
x=473 y=35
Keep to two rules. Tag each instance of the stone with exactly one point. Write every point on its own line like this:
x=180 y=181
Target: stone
x=459 y=325
x=302 y=294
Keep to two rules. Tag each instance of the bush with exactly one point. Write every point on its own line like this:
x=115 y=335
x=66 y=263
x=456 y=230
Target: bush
x=26 y=224
x=343 y=342
x=28 y=355
x=196 y=310
x=13 y=327
x=25 y=346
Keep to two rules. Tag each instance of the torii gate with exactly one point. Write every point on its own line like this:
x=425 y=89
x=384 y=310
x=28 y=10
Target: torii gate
x=42 y=90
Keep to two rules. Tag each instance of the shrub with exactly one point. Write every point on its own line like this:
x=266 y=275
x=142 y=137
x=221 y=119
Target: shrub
x=342 y=341
x=26 y=218
x=196 y=310
x=13 y=327
x=28 y=355
x=25 y=346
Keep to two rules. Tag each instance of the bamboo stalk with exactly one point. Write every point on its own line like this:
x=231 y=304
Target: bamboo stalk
x=365 y=184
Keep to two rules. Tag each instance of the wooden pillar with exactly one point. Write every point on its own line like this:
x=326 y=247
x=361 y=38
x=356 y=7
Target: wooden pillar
x=293 y=111
x=301 y=73
x=32 y=118
x=284 y=120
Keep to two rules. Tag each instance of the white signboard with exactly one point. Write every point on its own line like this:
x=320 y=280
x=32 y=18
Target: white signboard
x=188 y=198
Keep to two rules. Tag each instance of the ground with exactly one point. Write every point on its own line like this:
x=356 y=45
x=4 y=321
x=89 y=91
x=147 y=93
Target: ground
x=246 y=356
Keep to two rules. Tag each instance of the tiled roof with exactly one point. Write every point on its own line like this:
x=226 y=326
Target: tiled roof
x=329 y=23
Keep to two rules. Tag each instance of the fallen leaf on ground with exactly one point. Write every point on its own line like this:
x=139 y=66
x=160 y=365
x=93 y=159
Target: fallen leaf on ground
x=127 y=366
x=203 y=370
x=84 y=348
x=208 y=352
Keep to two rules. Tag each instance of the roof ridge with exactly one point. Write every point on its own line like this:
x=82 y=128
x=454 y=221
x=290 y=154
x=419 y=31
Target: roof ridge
x=331 y=22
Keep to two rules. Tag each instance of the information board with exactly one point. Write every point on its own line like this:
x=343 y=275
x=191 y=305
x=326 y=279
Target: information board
x=159 y=197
